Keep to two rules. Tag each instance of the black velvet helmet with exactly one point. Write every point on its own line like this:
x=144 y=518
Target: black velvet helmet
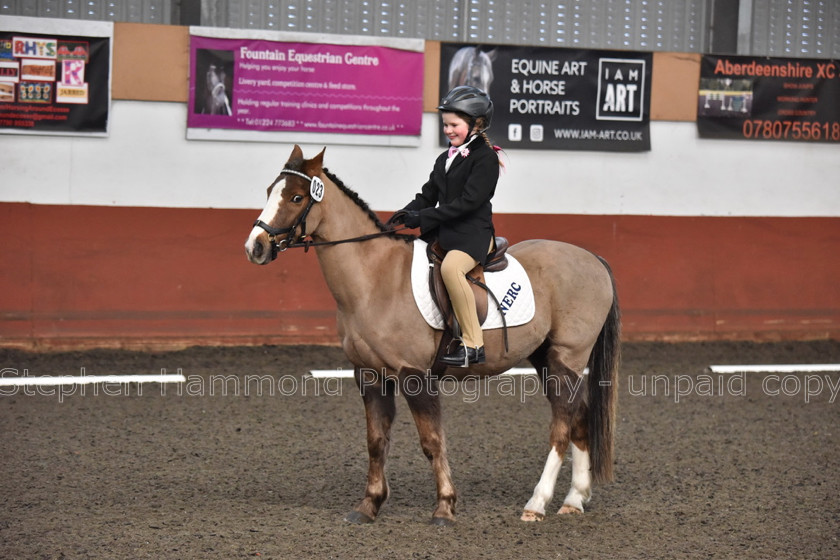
x=470 y=101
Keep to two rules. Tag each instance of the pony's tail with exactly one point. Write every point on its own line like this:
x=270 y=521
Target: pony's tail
x=603 y=390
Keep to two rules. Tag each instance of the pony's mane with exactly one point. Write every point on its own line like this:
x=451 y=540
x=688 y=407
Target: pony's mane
x=354 y=196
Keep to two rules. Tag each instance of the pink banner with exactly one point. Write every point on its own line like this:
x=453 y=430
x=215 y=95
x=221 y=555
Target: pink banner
x=260 y=85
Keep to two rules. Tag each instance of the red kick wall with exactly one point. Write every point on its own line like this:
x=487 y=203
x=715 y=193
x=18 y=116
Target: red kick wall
x=76 y=276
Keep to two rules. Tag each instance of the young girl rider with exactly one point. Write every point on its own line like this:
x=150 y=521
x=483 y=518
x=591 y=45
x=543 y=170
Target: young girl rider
x=454 y=206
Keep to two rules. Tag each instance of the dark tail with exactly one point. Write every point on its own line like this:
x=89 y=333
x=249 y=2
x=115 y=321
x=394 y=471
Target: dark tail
x=603 y=390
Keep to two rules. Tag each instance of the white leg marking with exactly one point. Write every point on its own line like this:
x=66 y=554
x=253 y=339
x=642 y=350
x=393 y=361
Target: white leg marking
x=581 y=490
x=545 y=487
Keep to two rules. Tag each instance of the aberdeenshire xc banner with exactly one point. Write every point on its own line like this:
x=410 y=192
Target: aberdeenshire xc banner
x=556 y=98
x=769 y=99
x=55 y=76
x=259 y=85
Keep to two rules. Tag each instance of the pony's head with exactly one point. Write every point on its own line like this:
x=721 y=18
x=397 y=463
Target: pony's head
x=291 y=211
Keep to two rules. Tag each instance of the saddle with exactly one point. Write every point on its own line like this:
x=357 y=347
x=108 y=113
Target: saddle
x=496 y=261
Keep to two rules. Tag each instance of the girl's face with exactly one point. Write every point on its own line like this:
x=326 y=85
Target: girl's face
x=455 y=128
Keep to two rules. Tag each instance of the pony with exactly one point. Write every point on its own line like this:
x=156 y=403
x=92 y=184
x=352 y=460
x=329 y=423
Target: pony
x=470 y=66
x=366 y=265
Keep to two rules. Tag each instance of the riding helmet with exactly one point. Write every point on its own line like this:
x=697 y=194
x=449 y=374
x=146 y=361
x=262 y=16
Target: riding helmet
x=468 y=100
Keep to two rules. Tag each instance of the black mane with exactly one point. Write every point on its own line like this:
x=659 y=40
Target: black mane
x=354 y=196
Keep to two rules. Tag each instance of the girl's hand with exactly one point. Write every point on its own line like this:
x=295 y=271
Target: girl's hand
x=412 y=219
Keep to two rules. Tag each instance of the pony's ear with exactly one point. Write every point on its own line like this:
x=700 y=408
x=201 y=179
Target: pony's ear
x=315 y=165
x=295 y=159
x=297 y=153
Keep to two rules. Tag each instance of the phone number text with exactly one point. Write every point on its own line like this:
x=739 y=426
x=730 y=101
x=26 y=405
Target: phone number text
x=791 y=130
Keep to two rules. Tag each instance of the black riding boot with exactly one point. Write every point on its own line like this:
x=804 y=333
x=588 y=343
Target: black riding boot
x=463 y=356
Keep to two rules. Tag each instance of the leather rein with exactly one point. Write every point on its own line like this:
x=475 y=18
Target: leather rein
x=316 y=194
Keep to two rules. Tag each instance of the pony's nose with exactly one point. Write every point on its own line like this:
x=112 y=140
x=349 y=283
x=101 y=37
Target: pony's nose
x=257 y=250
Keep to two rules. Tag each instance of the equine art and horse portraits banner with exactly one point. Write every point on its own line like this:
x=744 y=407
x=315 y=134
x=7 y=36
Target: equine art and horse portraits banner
x=556 y=98
x=54 y=83
x=758 y=98
x=247 y=87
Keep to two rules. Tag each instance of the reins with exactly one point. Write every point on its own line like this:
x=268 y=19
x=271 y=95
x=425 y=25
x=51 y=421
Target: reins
x=307 y=243
x=316 y=194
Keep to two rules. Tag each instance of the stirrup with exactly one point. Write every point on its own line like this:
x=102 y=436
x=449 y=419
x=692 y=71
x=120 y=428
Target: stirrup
x=464 y=356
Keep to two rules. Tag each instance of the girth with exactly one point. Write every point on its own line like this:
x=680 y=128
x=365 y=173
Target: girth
x=496 y=261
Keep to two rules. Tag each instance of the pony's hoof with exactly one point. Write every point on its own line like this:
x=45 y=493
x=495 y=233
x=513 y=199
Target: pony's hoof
x=357 y=518
x=442 y=522
x=569 y=510
x=531 y=516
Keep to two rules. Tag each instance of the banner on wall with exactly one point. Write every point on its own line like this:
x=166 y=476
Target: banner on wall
x=759 y=98
x=557 y=98
x=55 y=76
x=256 y=85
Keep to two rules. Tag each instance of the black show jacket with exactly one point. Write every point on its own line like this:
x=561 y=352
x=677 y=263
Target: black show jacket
x=455 y=206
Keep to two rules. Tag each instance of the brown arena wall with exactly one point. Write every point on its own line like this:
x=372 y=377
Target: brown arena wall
x=142 y=278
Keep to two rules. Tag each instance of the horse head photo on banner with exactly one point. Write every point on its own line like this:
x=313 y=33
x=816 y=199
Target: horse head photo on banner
x=471 y=66
x=214 y=82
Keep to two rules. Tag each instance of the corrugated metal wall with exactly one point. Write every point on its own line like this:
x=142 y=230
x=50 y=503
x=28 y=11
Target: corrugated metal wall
x=139 y=11
x=796 y=28
x=790 y=28
x=620 y=24
x=426 y=19
x=616 y=24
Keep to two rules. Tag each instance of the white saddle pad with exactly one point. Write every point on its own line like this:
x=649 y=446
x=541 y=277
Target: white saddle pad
x=511 y=286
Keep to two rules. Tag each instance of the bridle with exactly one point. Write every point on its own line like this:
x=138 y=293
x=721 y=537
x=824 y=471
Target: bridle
x=316 y=194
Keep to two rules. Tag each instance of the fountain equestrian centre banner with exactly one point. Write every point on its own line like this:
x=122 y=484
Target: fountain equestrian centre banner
x=259 y=85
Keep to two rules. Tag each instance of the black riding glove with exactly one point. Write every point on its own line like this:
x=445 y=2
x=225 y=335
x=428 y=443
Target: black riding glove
x=412 y=219
x=396 y=219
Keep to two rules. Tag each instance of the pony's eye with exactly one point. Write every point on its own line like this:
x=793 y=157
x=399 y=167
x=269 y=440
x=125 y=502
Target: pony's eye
x=297 y=199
